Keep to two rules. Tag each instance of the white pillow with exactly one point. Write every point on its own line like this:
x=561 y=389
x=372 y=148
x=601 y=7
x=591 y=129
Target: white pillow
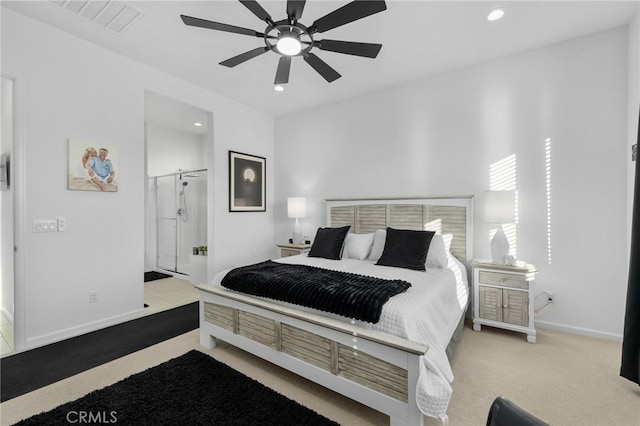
x=447 y=238
x=358 y=246
x=437 y=255
x=378 y=245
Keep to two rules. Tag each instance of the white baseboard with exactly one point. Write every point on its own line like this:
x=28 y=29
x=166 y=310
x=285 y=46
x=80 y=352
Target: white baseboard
x=579 y=331
x=46 y=339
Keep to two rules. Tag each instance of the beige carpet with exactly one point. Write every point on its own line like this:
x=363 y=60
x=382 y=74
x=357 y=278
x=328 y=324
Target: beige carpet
x=563 y=379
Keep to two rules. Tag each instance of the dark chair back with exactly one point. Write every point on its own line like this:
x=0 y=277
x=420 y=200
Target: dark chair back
x=505 y=413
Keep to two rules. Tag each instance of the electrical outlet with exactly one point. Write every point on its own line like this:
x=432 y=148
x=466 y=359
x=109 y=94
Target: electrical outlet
x=93 y=296
x=551 y=296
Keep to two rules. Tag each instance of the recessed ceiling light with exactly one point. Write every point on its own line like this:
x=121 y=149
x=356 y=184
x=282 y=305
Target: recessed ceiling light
x=197 y=124
x=278 y=88
x=495 y=14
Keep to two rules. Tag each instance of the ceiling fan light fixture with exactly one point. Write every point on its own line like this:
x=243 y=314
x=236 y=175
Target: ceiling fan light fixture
x=278 y=88
x=289 y=44
x=289 y=38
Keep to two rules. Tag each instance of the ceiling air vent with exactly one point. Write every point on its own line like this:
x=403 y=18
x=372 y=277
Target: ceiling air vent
x=115 y=15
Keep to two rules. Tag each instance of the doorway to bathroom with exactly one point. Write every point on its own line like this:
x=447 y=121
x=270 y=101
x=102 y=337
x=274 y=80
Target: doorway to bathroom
x=178 y=142
x=181 y=219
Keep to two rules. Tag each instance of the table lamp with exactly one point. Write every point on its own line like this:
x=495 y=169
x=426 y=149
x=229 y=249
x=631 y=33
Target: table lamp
x=499 y=207
x=297 y=209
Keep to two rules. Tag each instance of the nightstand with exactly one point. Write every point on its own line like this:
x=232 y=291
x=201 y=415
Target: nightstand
x=503 y=297
x=288 y=249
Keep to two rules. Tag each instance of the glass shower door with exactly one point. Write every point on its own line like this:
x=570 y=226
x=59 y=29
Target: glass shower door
x=166 y=223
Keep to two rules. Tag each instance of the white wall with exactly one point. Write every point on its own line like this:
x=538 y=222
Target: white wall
x=440 y=135
x=73 y=89
x=170 y=149
x=633 y=82
x=6 y=204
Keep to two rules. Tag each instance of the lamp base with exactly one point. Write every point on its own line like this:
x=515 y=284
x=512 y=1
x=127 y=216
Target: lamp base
x=297 y=233
x=499 y=247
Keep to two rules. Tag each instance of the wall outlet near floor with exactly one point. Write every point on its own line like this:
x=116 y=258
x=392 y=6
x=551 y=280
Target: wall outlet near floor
x=93 y=296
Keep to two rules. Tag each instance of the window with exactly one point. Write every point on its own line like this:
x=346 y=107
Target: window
x=547 y=167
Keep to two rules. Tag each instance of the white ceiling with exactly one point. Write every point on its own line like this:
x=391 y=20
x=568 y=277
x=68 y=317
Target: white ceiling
x=419 y=38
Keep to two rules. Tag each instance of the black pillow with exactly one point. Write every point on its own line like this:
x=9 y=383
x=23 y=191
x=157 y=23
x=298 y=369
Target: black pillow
x=328 y=242
x=406 y=249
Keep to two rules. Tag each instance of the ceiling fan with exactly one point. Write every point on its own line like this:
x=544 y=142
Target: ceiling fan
x=289 y=38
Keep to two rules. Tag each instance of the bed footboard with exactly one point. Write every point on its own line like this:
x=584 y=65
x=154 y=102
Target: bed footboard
x=375 y=369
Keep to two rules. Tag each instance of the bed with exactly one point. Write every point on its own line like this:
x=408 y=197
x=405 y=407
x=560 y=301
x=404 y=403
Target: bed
x=398 y=365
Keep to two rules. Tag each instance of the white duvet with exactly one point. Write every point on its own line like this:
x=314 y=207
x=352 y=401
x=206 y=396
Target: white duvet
x=427 y=313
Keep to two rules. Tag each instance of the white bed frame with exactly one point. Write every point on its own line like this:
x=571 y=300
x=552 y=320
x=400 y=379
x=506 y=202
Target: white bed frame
x=373 y=368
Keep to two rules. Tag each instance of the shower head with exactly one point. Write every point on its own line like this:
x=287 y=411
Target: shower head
x=184 y=184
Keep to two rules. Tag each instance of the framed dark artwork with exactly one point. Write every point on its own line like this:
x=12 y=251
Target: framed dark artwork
x=247 y=183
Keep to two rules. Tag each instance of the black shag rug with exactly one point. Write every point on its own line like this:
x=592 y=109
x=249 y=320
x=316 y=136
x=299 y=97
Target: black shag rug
x=154 y=275
x=193 y=389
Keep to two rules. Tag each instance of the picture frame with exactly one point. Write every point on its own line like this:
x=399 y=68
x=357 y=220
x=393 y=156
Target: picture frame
x=92 y=167
x=247 y=182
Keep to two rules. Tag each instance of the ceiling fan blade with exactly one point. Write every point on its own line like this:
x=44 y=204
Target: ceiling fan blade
x=295 y=8
x=321 y=67
x=282 y=74
x=203 y=23
x=368 y=50
x=350 y=12
x=257 y=10
x=237 y=60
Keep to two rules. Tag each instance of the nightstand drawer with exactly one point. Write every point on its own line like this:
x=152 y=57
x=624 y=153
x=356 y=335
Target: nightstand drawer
x=288 y=252
x=504 y=280
x=291 y=249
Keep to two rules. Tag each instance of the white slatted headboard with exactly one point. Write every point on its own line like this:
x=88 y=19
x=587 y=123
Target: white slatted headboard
x=449 y=215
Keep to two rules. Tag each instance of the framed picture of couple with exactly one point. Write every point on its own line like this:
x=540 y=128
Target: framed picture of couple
x=92 y=167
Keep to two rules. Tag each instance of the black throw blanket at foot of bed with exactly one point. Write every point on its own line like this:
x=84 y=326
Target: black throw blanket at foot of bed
x=343 y=293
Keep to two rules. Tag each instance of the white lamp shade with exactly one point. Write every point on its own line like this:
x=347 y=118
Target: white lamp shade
x=500 y=206
x=296 y=207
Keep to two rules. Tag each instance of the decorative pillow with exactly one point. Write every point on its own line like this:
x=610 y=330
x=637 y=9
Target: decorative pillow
x=406 y=249
x=328 y=243
x=378 y=244
x=358 y=246
x=437 y=254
